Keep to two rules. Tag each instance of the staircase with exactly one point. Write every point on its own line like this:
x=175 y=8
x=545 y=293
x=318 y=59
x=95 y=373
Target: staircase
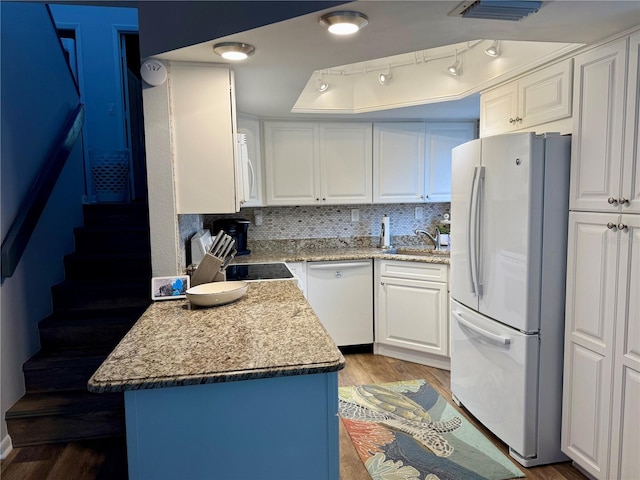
x=107 y=287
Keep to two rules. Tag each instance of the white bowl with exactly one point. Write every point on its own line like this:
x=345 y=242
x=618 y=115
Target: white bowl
x=216 y=293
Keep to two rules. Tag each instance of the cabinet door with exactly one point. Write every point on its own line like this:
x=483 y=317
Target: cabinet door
x=545 y=95
x=625 y=434
x=291 y=163
x=203 y=140
x=345 y=163
x=414 y=315
x=441 y=138
x=499 y=110
x=631 y=167
x=398 y=162
x=589 y=335
x=251 y=128
x=598 y=110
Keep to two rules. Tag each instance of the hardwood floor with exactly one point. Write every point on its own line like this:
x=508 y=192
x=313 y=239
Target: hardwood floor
x=106 y=459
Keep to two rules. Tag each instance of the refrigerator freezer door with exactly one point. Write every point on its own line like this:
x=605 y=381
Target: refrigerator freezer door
x=494 y=374
x=465 y=166
x=511 y=229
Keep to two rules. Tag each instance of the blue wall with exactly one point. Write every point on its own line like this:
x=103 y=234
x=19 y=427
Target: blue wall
x=38 y=93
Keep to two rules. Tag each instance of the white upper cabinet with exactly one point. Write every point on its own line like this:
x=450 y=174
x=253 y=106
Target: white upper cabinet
x=398 y=162
x=412 y=160
x=291 y=151
x=441 y=138
x=540 y=97
x=202 y=131
x=604 y=152
x=250 y=127
x=317 y=163
x=345 y=163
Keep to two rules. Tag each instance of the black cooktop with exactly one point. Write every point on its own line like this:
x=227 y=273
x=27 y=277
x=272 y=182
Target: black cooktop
x=258 y=271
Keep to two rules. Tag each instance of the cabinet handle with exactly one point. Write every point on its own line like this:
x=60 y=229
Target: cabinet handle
x=611 y=226
x=512 y=120
x=622 y=226
x=623 y=201
x=612 y=201
x=317 y=199
x=324 y=199
x=518 y=119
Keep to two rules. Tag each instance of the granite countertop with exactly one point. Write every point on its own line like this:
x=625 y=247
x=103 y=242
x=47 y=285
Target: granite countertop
x=271 y=331
x=414 y=254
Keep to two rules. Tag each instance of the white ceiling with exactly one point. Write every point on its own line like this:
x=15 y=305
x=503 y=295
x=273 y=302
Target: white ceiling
x=287 y=53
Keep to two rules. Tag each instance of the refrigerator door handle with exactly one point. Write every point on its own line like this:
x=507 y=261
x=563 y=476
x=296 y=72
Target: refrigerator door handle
x=471 y=233
x=478 y=226
x=501 y=339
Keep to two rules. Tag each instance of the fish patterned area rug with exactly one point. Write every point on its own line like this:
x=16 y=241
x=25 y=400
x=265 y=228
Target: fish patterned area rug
x=407 y=431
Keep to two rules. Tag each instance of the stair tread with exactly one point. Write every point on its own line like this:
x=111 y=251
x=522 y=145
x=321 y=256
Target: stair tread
x=55 y=321
x=57 y=358
x=66 y=402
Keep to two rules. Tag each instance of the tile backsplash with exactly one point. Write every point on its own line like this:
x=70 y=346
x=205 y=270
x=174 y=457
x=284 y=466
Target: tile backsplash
x=300 y=226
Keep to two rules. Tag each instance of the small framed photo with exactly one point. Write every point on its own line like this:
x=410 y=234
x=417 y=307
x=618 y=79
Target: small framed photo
x=169 y=288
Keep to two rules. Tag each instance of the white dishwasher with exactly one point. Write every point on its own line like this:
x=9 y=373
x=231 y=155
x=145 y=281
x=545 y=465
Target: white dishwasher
x=341 y=294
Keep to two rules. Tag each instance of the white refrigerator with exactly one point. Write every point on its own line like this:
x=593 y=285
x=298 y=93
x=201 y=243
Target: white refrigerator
x=509 y=212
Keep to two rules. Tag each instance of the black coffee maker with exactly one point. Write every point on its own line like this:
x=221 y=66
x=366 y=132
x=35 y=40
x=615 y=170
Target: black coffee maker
x=237 y=229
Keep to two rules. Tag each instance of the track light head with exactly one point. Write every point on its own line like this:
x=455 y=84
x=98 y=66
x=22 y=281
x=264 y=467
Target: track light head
x=493 y=50
x=456 y=68
x=322 y=85
x=384 y=78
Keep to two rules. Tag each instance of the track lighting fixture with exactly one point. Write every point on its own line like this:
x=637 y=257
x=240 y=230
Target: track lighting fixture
x=322 y=85
x=493 y=50
x=456 y=68
x=385 y=78
x=344 y=22
x=234 y=50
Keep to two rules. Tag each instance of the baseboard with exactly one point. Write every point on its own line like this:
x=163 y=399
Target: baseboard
x=5 y=447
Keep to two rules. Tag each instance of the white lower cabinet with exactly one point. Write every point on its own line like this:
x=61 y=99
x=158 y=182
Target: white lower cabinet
x=341 y=294
x=412 y=318
x=601 y=391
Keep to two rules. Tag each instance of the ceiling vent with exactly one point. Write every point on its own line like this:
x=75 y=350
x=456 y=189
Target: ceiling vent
x=495 y=10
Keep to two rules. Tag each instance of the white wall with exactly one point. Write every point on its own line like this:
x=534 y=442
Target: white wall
x=37 y=94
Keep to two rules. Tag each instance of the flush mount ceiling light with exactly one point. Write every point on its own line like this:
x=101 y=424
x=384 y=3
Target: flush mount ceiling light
x=456 y=68
x=234 y=50
x=344 y=23
x=493 y=50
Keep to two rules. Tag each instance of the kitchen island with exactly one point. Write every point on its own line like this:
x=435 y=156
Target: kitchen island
x=243 y=390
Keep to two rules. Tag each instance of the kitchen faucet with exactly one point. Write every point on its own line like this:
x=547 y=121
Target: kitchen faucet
x=435 y=240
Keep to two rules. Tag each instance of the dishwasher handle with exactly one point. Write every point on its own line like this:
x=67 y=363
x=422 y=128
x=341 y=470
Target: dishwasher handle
x=338 y=266
x=501 y=339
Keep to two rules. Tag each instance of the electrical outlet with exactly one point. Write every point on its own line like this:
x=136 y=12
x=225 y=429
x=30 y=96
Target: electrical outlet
x=257 y=217
x=419 y=213
x=355 y=215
